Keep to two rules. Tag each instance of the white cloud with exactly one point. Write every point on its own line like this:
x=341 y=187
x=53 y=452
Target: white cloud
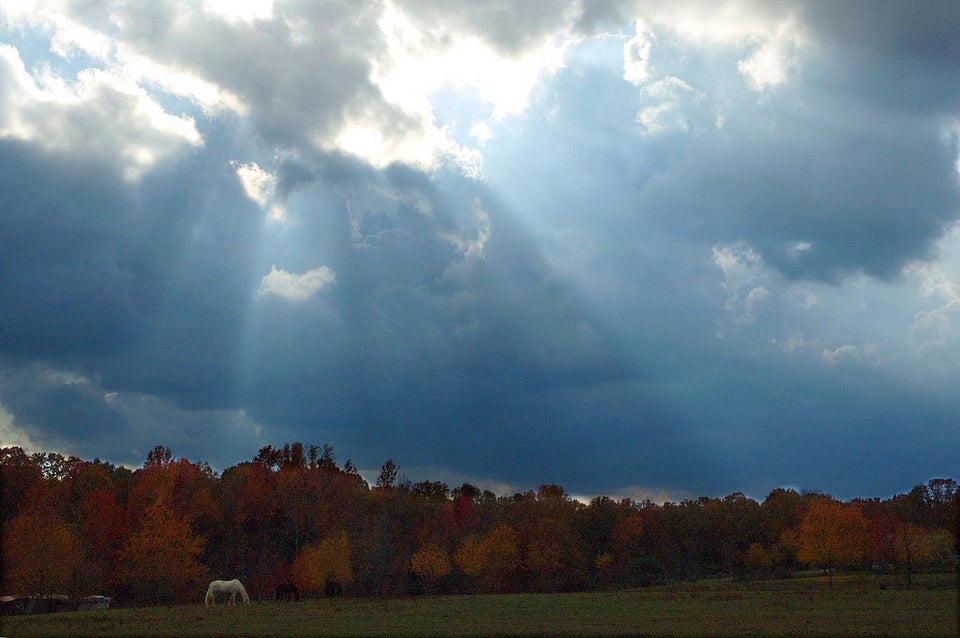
x=847 y=352
x=296 y=288
x=11 y=435
x=471 y=247
x=240 y=10
x=257 y=183
x=210 y=97
x=636 y=55
x=763 y=69
x=773 y=37
x=668 y=98
x=96 y=114
x=421 y=59
x=261 y=186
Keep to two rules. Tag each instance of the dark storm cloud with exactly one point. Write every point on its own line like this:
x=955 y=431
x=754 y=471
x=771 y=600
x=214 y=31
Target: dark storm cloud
x=692 y=281
x=842 y=169
x=60 y=408
x=443 y=320
x=137 y=283
x=844 y=194
x=64 y=292
x=300 y=74
x=920 y=35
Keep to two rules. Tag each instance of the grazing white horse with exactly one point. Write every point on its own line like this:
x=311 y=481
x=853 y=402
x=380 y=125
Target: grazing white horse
x=232 y=587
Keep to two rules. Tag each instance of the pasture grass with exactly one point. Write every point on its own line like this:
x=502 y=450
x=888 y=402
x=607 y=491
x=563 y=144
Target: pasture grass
x=855 y=606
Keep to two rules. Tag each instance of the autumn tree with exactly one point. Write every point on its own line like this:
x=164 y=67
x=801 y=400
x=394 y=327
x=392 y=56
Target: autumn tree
x=101 y=538
x=39 y=554
x=914 y=547
x=388 y=475
x=248 y=543
x=161 y=558
x=431 y=563
x=554 y=557
x=467 y=557
x=326 y=563
x=758 y=559
x=81 y=480
x=831 y=535
x=18 y=474
x=630 y=562
x=491 y=559
x=184 y=486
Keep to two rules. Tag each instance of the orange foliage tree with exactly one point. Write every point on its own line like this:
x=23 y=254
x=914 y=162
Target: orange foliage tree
x=327 y=563
x=39 y=554
x=161 y=559
x=490 y=560
x=101 y=537
x=831 y=535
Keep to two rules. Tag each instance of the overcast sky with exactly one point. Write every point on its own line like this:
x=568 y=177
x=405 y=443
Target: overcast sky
x=648 y=249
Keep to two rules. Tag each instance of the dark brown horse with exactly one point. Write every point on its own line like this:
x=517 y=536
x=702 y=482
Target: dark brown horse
x=286 y=591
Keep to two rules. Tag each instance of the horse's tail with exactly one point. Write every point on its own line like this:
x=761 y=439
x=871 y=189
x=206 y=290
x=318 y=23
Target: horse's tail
x=209 y=597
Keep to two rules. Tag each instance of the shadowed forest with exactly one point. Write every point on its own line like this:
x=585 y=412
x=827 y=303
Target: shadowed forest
x=159 y=533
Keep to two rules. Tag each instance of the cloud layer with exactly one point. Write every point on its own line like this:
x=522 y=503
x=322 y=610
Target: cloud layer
x=629 y=247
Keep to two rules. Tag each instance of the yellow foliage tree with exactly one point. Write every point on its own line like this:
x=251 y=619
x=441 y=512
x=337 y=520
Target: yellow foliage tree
x=491 y=559
x=161 y=560
x=499 y=555
x=467 y=556
x=326 y=562
x=430 y=563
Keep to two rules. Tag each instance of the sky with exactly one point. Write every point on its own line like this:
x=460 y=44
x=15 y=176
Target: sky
x=647 y=249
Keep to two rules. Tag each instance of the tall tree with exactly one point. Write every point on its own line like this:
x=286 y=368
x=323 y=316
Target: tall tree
x=388 y=475
x=324 y=564
x=489 y=560
x=101 y=537
x=18 y=474
x=39 y=554
x=914 y=546
x=554 y=557
x=831 y=535
x=161 y=559
x=431 y=563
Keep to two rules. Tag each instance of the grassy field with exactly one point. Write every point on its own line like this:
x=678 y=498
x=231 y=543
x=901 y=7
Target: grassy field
x=800 y=607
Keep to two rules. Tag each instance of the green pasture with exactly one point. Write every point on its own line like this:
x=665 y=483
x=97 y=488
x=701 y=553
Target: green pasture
x=855 y=606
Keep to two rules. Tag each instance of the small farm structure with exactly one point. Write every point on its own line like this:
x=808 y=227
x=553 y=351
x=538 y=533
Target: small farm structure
x=92 y=603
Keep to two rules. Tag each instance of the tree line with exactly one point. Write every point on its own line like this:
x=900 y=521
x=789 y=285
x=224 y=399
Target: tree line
x=159 y=533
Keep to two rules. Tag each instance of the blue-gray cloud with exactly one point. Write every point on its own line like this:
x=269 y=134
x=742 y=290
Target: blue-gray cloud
x=726 y=269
